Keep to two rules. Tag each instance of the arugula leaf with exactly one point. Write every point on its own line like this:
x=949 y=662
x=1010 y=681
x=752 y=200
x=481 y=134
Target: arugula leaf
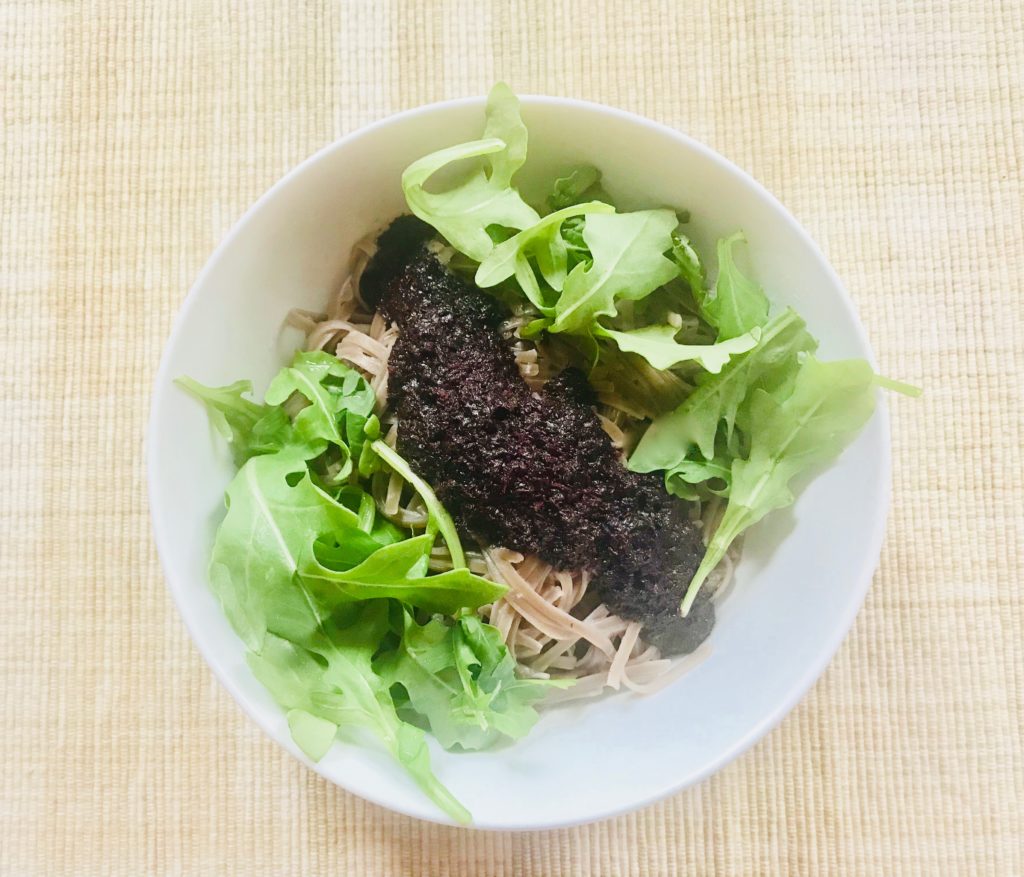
x=354 y=498
x=628 y=264
x=343 y=552
x=317 y=667
x=904 y=389
x=829 y=404
x=581 y=184
x=331 y=388
x=543 y=242
x=717 y=399
x=438 y=517
x=269 y=523
x=658 y=346
x=738 y=304
x=311 y=734
x=575 y=247
x=461 y=679
x=342 y=690
x=399 y=571
x=248 y=427
x=535 y=328
x=482 y=198
x=682 y=481
x=690 y=266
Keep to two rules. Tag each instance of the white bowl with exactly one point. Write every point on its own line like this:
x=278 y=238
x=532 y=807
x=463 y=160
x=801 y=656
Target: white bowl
x=804 y=571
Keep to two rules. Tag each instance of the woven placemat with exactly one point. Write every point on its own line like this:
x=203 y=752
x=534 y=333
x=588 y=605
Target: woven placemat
x=134 y=135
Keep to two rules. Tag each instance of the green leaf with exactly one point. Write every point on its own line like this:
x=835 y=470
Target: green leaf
x=900 y=387
x=738 y=304
x=268 y=526
x=312 y=734
x=534 y=328
x=541 y=242
x=309 y=642
x=249 y=428
x=438 y=517
x=342 y=553
x=829 y=404
x=483 y=197
x=399 y=571
x=461 y=678
x=690 y=266
x=581 y=184
x=628 y=264
x=354 y=498
x=342 y=689
x=672 y=437
x=658 y=346
x=682 y=481
x=575 y=247
x=331 y=388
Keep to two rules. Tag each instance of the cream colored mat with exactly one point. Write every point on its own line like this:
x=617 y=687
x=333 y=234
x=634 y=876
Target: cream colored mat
x=135 y=133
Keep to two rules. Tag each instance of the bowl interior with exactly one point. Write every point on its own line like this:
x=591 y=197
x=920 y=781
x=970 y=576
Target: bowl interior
x=804 y=571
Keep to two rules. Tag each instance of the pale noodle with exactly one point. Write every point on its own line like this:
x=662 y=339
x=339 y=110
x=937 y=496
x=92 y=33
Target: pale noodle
x=538 y=616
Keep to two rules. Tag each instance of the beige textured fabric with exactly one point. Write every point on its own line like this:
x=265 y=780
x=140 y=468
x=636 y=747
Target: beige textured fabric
x=135 y=133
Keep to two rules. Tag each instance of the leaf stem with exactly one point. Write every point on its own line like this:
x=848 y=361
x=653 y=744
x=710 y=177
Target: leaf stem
x=898 y=386
x=435 y=510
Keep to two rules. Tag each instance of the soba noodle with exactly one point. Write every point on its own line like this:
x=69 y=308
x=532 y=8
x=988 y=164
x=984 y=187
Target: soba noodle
x=539 y=617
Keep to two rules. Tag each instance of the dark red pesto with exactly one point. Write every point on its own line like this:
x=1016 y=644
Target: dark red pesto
x=534 y=472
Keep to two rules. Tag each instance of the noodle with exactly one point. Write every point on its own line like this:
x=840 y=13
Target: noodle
x=625 y=650
x=535 y=617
